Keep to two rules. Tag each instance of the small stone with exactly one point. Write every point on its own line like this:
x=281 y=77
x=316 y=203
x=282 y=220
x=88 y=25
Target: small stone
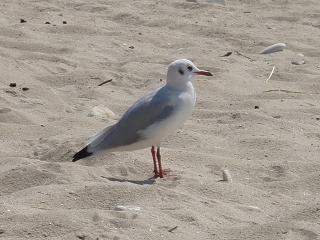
x=227 y=54
x=226 y=176
x=22 y=20
x=297 y=61
x=1 y=231
x=318 y=118
x=81 y=236
x=64 y=22
x=13 y=84
x=25 y=89
x=47 y=22
x=131 y=47
x=140 y=33
x=256 y=107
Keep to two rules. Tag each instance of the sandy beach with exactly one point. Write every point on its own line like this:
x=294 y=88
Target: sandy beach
x=54 y=54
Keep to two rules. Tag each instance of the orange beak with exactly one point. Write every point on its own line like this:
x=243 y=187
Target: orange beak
x=204 y=73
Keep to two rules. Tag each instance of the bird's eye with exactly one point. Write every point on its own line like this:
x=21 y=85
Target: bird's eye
x=190 y=68
x=181 y=71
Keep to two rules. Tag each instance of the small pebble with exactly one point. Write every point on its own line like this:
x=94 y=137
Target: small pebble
x=64 y=22
x=131 y=47
x=81 y=236
x=226 y=176
x=47 y=22
x=25 y=89
x=256 y=107
x=13 y=84
x=227 y=54
x=22 y=20
x=318 y=118
x=140 y=33
x=298 y=61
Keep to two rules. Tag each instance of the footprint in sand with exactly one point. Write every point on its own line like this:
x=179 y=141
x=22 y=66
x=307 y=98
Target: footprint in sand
x=301 y=234
x=7 y=115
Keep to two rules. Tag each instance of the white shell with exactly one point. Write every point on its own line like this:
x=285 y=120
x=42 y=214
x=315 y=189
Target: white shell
x=101 y=111
x=274 y=48
x=127 y=208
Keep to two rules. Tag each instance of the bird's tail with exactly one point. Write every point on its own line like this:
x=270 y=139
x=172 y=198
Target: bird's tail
x=83 y=153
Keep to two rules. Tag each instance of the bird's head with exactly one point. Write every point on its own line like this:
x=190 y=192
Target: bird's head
x=182 y=71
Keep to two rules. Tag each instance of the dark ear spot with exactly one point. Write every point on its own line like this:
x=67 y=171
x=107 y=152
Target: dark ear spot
x=181 y=71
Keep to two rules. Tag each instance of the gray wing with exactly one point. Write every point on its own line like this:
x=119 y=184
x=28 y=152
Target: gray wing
x=150 y=109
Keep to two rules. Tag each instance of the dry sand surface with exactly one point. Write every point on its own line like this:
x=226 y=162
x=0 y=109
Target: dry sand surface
x=266 y=135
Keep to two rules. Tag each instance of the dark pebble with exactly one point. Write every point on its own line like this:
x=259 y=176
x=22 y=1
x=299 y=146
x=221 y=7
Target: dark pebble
x=318 y=118
x=13 y=84
x=1 y=231
x=25 y=89
x=131 y=47
x=140 y=33
x=256 y=107
x=22 y=20
x=64 y=22
x=227 y=54
x=47 y=22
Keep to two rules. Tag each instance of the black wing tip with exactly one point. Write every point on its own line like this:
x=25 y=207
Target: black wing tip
x=83 y=153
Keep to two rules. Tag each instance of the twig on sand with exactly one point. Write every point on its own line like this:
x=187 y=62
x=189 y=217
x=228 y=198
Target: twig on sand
x=172 y=229
x=270 y=74
x=107 y=81
x=240 y=54
x=281 y=90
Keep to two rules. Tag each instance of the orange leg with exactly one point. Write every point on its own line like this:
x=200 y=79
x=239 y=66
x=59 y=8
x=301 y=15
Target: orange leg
x=159 y=163
x=153 y=152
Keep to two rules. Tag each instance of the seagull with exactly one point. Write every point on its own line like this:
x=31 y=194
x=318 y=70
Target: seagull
x=152 y=118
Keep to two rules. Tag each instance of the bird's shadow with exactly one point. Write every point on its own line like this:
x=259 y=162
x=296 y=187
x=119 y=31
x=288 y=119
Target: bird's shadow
x=148 y=181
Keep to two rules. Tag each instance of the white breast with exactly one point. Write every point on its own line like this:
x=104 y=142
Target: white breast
x=156 y=132
x=186 y=101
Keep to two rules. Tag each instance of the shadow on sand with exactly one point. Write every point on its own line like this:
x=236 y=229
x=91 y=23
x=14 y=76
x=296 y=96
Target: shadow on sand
x=148 y=181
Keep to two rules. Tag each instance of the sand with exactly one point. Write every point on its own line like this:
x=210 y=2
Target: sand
x=265 y=134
